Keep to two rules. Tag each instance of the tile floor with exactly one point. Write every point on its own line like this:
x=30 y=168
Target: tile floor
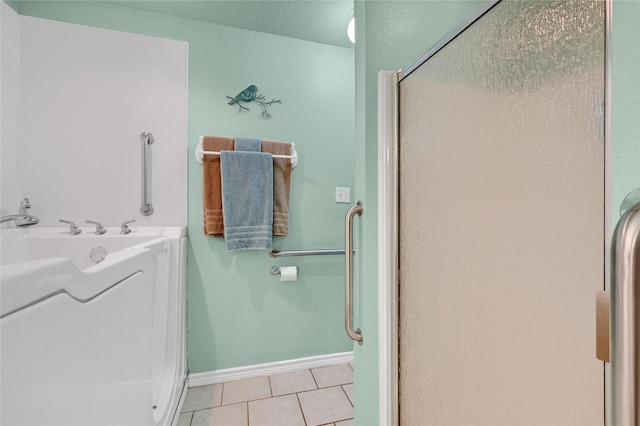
x=319 y=396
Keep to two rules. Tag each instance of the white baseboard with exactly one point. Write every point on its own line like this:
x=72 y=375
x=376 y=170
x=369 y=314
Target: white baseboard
x=268 y=369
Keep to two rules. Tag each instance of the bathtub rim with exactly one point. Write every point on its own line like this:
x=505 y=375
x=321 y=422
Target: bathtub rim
x=121 y=264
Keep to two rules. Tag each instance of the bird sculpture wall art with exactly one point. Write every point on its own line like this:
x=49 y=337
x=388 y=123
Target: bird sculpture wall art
x=250 y=94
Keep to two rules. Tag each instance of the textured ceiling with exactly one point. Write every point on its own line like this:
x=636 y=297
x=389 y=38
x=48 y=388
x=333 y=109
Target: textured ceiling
x=321 y=21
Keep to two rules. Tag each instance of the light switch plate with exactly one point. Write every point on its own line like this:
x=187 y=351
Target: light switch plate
x=343 y=195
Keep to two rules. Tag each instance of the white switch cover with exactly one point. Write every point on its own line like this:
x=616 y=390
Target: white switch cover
x=343 y=195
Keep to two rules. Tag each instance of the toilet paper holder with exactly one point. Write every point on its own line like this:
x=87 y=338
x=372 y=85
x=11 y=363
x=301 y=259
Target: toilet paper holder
x=275 y=270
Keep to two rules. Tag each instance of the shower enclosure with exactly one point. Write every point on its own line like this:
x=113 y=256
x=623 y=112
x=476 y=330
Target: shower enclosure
x=495 y=183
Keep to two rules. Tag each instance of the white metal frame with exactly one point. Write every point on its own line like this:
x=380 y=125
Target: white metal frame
x=388 y=246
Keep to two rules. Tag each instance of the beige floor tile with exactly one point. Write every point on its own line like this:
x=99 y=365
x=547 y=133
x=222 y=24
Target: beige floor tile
x=287 y=383
x=277 y=411
x=345 y=423
x=325 y=406
x=184 y=419
x=201 y=397
x=227 y=415
x=246 y=390
x=348 y=389
x=333 y=375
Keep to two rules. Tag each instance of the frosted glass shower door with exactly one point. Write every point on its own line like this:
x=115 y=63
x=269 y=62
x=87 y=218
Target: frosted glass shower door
x=501 y=221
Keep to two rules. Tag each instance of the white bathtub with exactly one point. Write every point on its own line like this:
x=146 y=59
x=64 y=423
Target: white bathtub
x=87 y=343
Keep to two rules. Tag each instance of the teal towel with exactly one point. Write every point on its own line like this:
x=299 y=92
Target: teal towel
x=248 y=144
x=247 y=198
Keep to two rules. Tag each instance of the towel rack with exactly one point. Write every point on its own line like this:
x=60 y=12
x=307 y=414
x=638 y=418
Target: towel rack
x=275 y=253
x=200 y=153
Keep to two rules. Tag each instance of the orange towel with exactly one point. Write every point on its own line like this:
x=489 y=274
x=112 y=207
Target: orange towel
x=281 y=185
x=211 y=184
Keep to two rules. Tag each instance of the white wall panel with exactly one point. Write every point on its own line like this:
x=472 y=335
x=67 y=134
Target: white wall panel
x=87 y=94
x=9 y=109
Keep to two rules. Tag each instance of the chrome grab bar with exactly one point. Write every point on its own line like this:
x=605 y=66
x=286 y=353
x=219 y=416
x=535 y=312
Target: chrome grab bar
x=625 y=319
x=358 y=209
x=325 y=252
x=146 y=208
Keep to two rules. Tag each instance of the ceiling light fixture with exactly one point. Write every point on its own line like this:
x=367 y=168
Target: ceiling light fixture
x=351 y=29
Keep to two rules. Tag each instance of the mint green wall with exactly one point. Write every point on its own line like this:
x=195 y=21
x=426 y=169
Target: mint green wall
x=389 y=35
x=239 y=314
x=626 y=101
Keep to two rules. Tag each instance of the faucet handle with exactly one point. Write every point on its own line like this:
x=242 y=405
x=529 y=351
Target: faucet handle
x=73 y=228
x=124 y=229
x=99 y=228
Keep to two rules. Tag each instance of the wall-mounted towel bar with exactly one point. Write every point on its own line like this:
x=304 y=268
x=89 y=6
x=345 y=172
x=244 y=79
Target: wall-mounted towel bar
x=200 y=153
x=275 y=253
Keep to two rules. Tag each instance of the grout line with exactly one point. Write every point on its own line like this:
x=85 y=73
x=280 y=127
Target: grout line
x=250 y=400
x=270 y=387
x=314 y=378
x=345 y=394
x=304 y=418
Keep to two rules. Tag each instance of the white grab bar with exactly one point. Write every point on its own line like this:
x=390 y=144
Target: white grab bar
x=625 y=319
x=146 y=208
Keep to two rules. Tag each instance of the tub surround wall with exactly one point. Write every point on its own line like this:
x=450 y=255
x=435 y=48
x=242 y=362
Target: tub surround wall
x=86 y=95
x=9 y=109
x=240 y=315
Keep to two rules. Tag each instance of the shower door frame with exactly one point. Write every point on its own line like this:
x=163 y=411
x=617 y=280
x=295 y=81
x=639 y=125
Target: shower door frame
x=388 y=203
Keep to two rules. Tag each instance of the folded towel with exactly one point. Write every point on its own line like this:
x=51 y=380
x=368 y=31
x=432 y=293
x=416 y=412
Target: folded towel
x=281 y=185
x=248 y=144
x=247 y=199
x=211 y=184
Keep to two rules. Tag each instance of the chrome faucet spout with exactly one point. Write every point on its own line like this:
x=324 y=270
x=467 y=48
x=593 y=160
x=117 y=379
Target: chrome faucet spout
x=22 y=218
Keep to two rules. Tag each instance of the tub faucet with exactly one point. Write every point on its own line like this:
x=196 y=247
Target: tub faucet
x=124 y=229
x=99 y=228
x=22 y=218
x=73 y=228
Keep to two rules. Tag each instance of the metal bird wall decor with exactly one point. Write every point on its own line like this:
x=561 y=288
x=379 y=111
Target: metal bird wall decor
x=250 y=94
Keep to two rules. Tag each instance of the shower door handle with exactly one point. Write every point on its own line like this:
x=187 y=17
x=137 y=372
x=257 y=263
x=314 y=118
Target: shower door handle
x=358 y=209
x=625 y=319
